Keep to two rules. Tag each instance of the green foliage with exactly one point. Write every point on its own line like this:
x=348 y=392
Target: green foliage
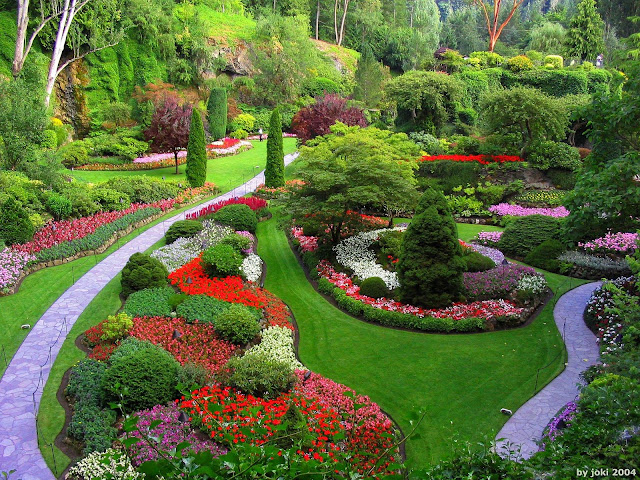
x=237 y=216
x=562 y=179
x=145 y=377
x=476 y=262
x=237 y=324
x=599 y=80
x=151 y=302
x=109 y=199
x=238 y=242
x=318 y=86
x=60 y=207
x=196 y=152
x=368 y=77
x=116 y=327
x=176 y=300
x=520 y=63
x=557 y=83
x=586 y=31
x=74 y=154
x=201 y=308
x=49 y=140
x=239 y=134
x=274 y=171
x=427 y=142
x=15 y=224
x=182 y=228
x=217 y=112
x=547 y=38
x=193 y=376
x=548 y=154
x=244 y=121
x=553 y=61
x=525 y=233
x=450 y=175
x=142 y=271
x=116 y=114
x=545 y=255
x=221 y=261
x=488 y=59
x=374 y=287
x=430 y=264
x=260 y=376
x=143 y=189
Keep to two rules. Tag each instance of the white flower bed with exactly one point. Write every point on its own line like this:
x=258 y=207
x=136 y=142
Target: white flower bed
x=108 y=464
x=277 y=344
x=252 y=267
x=536 y=283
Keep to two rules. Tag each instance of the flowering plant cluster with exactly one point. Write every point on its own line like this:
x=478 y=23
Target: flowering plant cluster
x=308 y=243
x=481 y=159
x=158 y=160
x=12 y=264
x=189 y=194
x=493 y=253
x=276 y=344
x=223 y=144
x=249 y=235
x=241 y=145
x=160 y=157
x=497 y=282
x=559 y=422
x=111 y=463
x=503 y=209
x=253 y=203
x=263 y=191
x=536 y=284
x=489 y=239
x=170 y=433
x=265 y=136
x=618 y=243
x=252 y=267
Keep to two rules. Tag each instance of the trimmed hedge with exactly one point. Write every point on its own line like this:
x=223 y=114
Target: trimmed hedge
x=523 y=234
x=238 y=216
x=142 y=271
x=151 y=302
x=557 y=83
x=182 y=228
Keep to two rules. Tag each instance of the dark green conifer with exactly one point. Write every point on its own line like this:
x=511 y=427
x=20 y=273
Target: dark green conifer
x=274 y=171
x=196 y=152
x=217 y=110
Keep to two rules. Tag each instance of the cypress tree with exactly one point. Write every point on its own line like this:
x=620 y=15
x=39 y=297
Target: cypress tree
x=368 y=78
x=196 y=152
x=15 y=224
x=217 y=110
x=430 y=263
x=274 y=171
x=585 y=38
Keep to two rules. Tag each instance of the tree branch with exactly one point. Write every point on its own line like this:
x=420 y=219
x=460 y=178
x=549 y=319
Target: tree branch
x=78 y=57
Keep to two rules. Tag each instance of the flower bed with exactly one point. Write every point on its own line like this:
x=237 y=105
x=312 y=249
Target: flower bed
x=617 y=243
x=481 y=159
x=263 y=191
x=12 y=264
x=188 y=195
x=558 y=423
x=151 y=162
x=497 y=282
x=235 y=146
x=503 y=209
x=307 y=243
x=276 y=343
x=489 y=238
x=253 y=203
x=223 y=144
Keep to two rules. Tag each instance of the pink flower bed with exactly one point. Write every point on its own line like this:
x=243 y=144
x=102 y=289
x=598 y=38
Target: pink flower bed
x=503 y=209
x=307 y=243
x=264 y=136
x=489 y=238
x=613 y=243
x=253 y=203
x=12 y=263
x=159 y=157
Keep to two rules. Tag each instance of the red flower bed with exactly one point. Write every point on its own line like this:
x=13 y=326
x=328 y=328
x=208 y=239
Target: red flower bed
x=226 y=143
x=253 y=203
x=198 y=343
x=482 y=159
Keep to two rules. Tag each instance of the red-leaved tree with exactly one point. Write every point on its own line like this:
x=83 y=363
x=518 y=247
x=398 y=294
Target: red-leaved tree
x=316 y=119
x=169 y=129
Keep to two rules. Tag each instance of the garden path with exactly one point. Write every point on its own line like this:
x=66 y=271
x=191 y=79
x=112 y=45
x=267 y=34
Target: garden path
x=526 y=425
x=24 y=379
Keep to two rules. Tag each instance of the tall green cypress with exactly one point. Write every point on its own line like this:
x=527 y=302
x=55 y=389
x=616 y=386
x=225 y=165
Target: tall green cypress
x=369 y=77
x=217 y=110
x=586 y=32
x=274 y=171
x=196 y=152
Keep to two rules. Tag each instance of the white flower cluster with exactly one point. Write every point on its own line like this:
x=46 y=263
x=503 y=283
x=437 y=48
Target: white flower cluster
x=536 y=283
x=277 y=344
x=183 y=250
x=252 y=267
x=354 y=253
x=111 y=463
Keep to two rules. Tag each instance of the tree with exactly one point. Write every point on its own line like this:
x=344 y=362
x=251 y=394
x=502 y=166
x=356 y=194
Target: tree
x=350 y=169
x=340 y=8
x=430 y=263
x=492 y=20
x=196 y=152
x=169 y=129
x=550 y=37
x=586 y=32
x=15 y=225
x=314 y=120
x=217 y=110
x=274 y=170
x=369 y=76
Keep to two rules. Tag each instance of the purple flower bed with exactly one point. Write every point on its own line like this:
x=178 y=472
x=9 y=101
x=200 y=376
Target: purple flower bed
x=503 y=209
x=613 y=243
x=12 y=263
x=171 y=433
x=558 y=423
x=252 y=247
x=489 y=238
x=497 y=282
x=493 y=253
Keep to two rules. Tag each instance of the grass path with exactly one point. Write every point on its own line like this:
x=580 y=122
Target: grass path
x=462 y=381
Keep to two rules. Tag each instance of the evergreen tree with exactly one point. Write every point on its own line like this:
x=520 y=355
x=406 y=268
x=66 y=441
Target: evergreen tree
x=274 y=171
x=430 y=264
x=217 y=110
x=15 y=225
x=586 y=31
x=196 y=152
x=369 y=76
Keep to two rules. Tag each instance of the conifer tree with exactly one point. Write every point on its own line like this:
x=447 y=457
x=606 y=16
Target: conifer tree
x=196 y=152
x=368 y=78
x=586 y=32
x=217 y=110
x=274 y=171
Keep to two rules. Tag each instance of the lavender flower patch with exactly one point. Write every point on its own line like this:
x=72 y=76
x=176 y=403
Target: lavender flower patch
x=489 y=238
x=497 y=282
x=503 y=209
x=12 y=264
x=493 y=253
x=249 y=235
x=557 y=423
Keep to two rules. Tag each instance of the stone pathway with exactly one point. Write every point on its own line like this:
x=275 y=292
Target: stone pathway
x=526 y=425
x=23 y=382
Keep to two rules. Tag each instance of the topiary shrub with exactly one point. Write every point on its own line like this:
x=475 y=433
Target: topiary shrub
x=274 y=170
x=201 y=308
x=146 y=375
x=221 y=261
x=58 y=206
x=196 y=152
x=524 y=234
x=142 y=271
x=547 y=154
x=217 y=112
x=259 y=375
x=519 y=63
x=237 y=216
x=238 y=324
x=546 y=255
x=374 y=287
x=150 y=302
x=182 y=228
x=238 y=242
x=475 y=262
x=15 y=224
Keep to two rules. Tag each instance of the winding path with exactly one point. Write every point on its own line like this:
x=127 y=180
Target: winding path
x=525 y=427
x=24 y=379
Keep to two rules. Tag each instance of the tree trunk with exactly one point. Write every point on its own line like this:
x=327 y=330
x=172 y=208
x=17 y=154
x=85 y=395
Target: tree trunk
x=343 y=21
x=175 y=154
x=22 y=22
x=317 y=18
x=69 y=11
x=335 y=20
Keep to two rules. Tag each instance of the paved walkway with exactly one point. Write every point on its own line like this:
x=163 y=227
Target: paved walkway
x=526 y=425
x=23 y=381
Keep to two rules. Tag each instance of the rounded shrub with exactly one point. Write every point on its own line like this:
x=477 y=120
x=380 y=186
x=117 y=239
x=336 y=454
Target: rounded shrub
x=237 y=216
x=240 y=134
x=146 y=376
x=201 y=308
x=49 y=140
x=221 y=261
x=374 y=287
x=110 y=199
x=524 y=234
x=74 y=154
x=182 y=228
x=519 y=63
x=244 y=121
x=142 y=271
x=259 y=375
x=15 y=224
x=58 y=206
x=116 y=327
x=546 y=255
x=238 y=324
x=548 y=154
x=237 y=241
x=478 y=263
x=553 y=61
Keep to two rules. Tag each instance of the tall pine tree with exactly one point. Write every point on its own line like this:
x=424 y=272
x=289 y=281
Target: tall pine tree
x=274 y=171
x=196 y=152
x=217 y=110
x=369 y=76
x=586 y=32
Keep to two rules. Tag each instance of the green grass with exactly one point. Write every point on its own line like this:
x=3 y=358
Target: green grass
x=225 y=172
x=226 y=28
x=461 y=381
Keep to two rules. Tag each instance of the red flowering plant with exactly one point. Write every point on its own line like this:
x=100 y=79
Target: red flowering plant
x=254 y=203
x=481 y=159
x=226 y=143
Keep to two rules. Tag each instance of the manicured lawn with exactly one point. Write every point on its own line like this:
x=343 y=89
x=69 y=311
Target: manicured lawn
x=462 y=381
x=225 y=172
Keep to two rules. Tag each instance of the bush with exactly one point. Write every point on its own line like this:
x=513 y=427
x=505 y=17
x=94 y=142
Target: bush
x=238 y=324
x=182 y=229
x=240 y=134
x=374 y=287
x=259 y=376
x=49 y=140
x=58 y=206
x=237 y=241
x=519 y=64
x=201 y=308
x=450 y=174
x=145 y=377
x=598 y=80
x=93 y=426
x=221 y=261
x=142 y=271
x=427 y=142
x=525 y=233
x=151 y=302
x=318 y=86
x=196 y=171
x=548 y=154
x=176 y=300
x=545 y=255
x=465 y=146
x=15 y=224
x=84 y=381
x=562 y=179
x=110 y=199
x=116 y=327
x=244 y=121
x=192 y=376
x=217 y=112
x=143 y=189
x=553 y=61
x=74 y=154
x=476 y=262
x=488 y=59
x=238 y=217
